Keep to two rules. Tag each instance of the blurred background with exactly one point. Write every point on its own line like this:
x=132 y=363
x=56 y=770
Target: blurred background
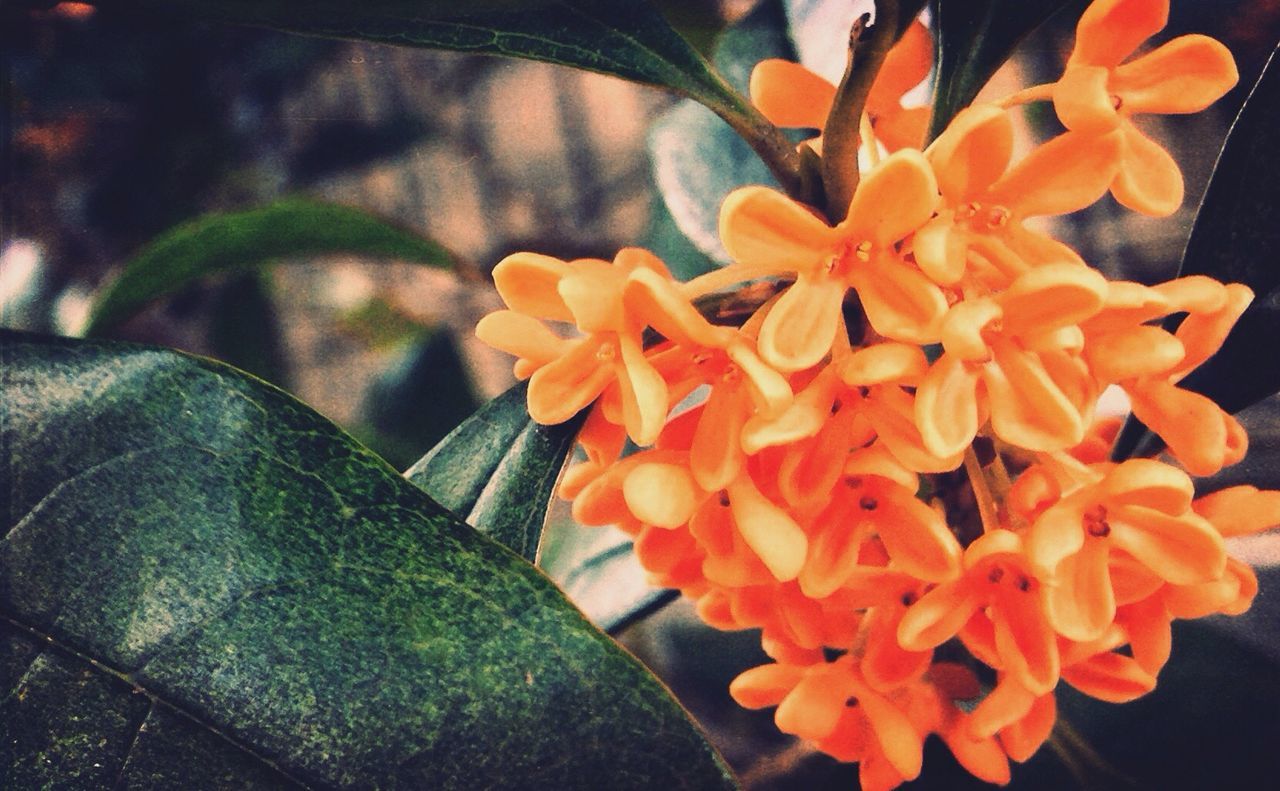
x=115 y=127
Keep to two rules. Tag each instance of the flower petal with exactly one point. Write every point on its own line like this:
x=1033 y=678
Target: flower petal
x=716 y=456
x=1203 y=334
x=1082 y=100
x=656 y=302
x=528 y=282
x=662 y=495
x=938 y=616
x=1200 y=435
x=521 y=335
x=1182 y=550
x=790 y=95
x=941 y=249
x=900 y=302
x=1025 y=640
x=1110 y=30
x=915 y=535
x=1150 y=484
x=1051 y=296
x=593 y=292
x=1148 y=181
x=1065 y=174
x=1240 y=510
x=768 y=530
x=884 y=363
x=1142 y=350
x=1081 y=603
x=763 y=227
x=563 y=387
x=802 y=324
x=972 y=153
x=765 y=686
x=1023 y=738
x=947 y=406
x=905 y=67
x=891 y=201
x=963 y=328
x=643 y=390
x=1111 y=677
x=1184 y=75
x=1028 y=408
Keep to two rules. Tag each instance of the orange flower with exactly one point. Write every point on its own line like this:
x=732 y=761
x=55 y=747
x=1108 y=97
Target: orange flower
x=767 y=233
x=979 y=230
x=998 y=581
x=1141 y=508
x=1148 y=362
x=1020 y=346
x=1099 y=92
x=567 y=375
x=790 y=95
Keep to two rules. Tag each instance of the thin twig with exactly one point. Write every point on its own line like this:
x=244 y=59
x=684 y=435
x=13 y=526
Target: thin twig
x=868 y=47
x=981 y=491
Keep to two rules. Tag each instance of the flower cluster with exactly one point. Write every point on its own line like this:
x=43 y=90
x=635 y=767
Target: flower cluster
x=897 y=448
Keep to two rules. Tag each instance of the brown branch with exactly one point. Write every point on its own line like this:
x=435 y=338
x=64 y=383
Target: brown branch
x=868 y=47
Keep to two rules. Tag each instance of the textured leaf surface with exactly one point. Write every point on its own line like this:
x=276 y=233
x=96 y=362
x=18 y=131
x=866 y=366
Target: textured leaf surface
x=973 y=39
x=697 y=158
x=203 y=583
x=245 y=239
x=1236 y=238
x=498 y=470
x=625 y=38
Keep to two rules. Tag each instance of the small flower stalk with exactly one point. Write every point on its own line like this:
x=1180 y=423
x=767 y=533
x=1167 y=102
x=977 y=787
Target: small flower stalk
x=899 y=449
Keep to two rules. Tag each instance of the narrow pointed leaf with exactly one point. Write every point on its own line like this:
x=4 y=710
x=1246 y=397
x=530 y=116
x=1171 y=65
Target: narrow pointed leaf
x=251 y=238
x=203 y=583
x=498 y=470
x=973 y=39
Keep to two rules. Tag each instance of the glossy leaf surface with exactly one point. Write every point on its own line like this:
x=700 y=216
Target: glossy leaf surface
x=203 y=583
x=498 y=470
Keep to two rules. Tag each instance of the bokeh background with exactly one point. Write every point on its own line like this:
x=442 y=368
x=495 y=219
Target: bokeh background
x=116 y=126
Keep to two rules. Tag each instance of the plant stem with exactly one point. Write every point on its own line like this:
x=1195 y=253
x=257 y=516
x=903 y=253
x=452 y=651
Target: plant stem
x=867 y=50
x=777 y=152
x=981 y=491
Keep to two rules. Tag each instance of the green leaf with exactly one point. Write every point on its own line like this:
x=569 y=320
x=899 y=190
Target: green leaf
x=697 y=158
x=973 y=38
x=246 y=239
x=1236 y=238
x=206 y=584
x=623 y=38
x=245 y=329
x=498 y=470
x=417 y=402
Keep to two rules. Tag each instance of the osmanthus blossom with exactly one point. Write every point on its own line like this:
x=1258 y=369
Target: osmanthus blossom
x=1122 y=347
x=1100 y=90
x=767 y=233
x=890 y=466
x=979 y=240
x=1015 y=357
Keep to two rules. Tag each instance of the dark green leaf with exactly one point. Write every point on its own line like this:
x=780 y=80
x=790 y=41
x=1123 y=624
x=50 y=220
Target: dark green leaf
x=1236 y=238
x=245 y=329
x=206 y=584
x=420 y=400
x=624 y=38
x=697 y=158
x=498 y=470
x=245 y=239
x=973 y=38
